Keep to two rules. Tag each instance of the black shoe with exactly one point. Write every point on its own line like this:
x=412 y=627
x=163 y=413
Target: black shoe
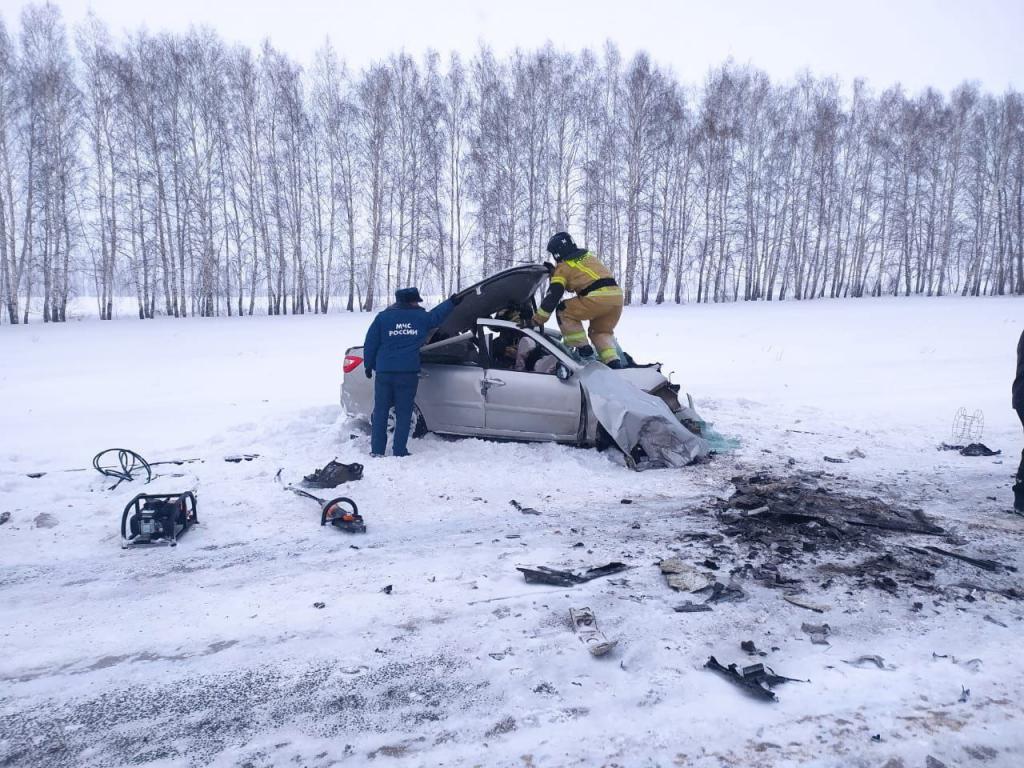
x=1018 y=498
x=615 y=364
x=401 y=455
x=585 y=351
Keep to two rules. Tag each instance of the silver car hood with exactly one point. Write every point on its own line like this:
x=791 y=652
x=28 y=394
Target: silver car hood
x=634 y=418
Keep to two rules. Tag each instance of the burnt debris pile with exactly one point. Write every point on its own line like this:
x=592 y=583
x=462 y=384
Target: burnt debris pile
x=788 y=532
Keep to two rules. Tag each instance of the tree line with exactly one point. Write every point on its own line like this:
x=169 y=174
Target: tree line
x=204 y=178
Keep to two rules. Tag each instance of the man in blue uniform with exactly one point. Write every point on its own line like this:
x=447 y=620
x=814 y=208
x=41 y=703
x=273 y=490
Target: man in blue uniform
x=392 y=350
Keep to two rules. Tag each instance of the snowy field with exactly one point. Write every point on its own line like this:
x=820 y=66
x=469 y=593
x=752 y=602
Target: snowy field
x=212 y=653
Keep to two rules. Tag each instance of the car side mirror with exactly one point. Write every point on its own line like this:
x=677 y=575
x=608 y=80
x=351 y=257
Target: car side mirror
x=563 y=373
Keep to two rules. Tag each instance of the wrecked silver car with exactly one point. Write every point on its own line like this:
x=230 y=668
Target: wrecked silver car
x=472 y=384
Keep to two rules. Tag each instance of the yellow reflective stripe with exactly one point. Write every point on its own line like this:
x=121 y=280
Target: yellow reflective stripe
x=609 y=354
x=611 y=290
x=572 y=338
x=542 y=314
x=560 y=280
x=585 y=270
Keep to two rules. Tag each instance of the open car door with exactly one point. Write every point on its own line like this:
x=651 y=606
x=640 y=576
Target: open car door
x=529 y=404
x=450 y=394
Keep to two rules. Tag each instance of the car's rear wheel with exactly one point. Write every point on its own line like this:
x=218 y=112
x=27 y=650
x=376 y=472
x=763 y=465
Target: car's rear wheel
x=418 y=428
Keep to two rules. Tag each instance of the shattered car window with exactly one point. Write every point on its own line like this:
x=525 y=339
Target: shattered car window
x=464 y=352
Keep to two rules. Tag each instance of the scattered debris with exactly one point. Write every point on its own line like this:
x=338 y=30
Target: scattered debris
x=863 y=661
x=756 y=679
x=933 y=762
x=877 y=738
x=5 y=517
x=919 y=525
x=833 y=460
x=997 y=622
x=857 y=453
x=238 y=458
x=512 y=597
x=973 y=449
x=750 y=649
x=886 y=584
x=801 y=602
x=724 y=593
x=818 y=632
x=506 y=725
x=965 y=694
x=980 y=752
x=45 y=520
x=788 y=516
x=1011 y=592
x=544 y=575
x=986 y=565
x=709 y=563
x=874 y=571
x=683 y=577
x=525 y=510
x=388 y=589
x=319 y=605
x=585 y=625
x=979 y=449
x=972 y=664
x=689 y=607
x=625 y=501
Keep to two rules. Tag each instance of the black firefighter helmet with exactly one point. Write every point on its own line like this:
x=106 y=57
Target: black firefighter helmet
x=562 y=247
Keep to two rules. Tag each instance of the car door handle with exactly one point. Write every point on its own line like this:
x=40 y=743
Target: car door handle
x=494 y=383
x=424 y=374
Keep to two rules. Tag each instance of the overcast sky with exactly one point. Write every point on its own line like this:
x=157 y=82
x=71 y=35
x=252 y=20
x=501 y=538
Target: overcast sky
x=916 y=42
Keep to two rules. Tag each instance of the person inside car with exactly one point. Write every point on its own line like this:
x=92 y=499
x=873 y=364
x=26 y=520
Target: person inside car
x=515 y=350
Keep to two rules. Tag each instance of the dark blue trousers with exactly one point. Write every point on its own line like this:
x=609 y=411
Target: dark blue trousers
x=398 y=391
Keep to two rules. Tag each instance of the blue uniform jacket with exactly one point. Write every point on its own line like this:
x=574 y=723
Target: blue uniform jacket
x=394 y=338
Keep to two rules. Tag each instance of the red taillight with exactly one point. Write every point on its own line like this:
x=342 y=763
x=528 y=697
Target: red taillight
x=351 y=363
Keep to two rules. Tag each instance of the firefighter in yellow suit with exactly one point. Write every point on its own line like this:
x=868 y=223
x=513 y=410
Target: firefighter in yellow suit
x=598 y=300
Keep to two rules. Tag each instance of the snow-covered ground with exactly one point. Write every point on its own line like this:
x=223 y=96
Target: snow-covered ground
x=212 y=653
